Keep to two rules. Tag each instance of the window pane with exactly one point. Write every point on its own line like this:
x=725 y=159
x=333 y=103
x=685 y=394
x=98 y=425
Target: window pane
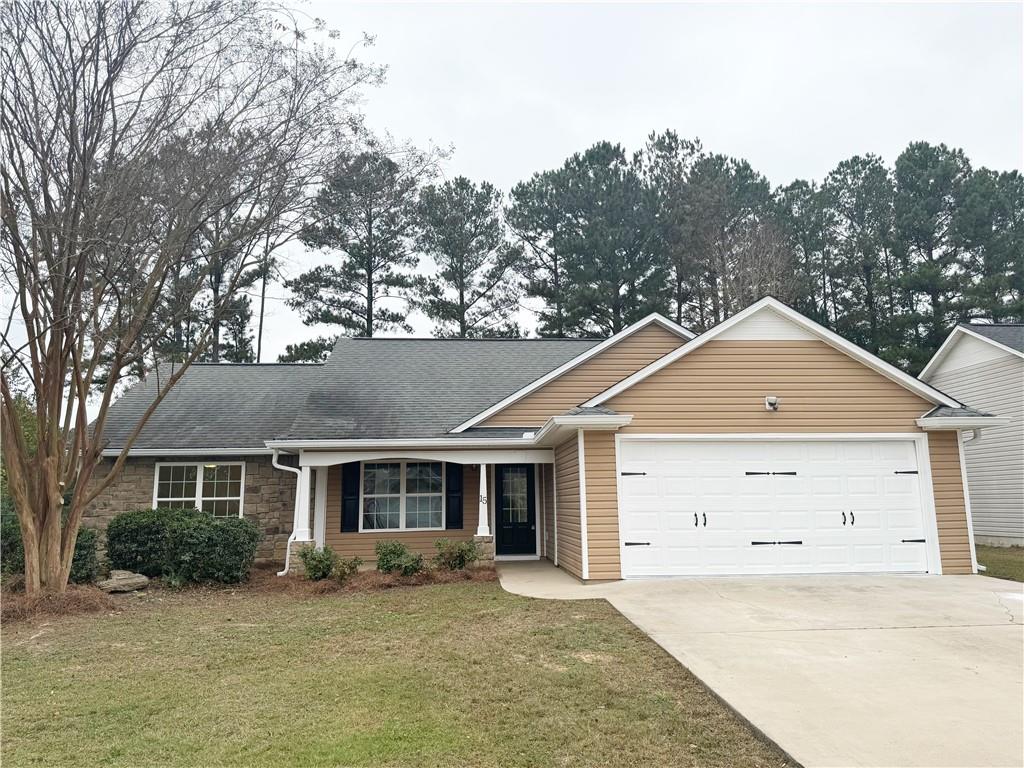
x=514 y=496
x=423 y=512
x=382 y=512
x=423 y=477
x=221 y=507
x=382 y=479
x=176 y=482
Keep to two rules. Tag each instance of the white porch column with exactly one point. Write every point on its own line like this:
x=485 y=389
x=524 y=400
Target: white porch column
x=320 y=507
x=300 y=525
x=483 y=526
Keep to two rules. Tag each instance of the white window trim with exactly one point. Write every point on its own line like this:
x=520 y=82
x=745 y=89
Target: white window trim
x=199 y=482
x=402 y=495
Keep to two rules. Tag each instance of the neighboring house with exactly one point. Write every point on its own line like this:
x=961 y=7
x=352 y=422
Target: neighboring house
x=765 y=445
x=984 y=365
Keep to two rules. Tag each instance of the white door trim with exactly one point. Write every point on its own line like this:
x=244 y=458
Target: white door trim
x=920 y=440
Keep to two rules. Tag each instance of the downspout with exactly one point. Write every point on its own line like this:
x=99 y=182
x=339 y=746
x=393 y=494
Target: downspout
x=291 y=536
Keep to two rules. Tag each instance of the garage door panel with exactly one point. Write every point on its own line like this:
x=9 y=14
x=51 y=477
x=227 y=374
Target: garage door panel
x=841 y=499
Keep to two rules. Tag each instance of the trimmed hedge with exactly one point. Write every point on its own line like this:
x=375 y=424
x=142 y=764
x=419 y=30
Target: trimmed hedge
x=184 y=546
x=85 y=564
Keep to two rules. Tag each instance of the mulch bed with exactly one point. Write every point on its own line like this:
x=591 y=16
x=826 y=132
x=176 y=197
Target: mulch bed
x=17 y=606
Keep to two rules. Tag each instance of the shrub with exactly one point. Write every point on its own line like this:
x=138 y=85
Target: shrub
x=455 y=555
x=84 y=563
x=137 y=541
x=389 y=555
x=184 y=546
x=346 y=568
x=318 y=563
x=395 y=557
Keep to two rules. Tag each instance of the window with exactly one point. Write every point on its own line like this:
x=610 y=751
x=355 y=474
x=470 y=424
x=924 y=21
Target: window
x=213 y=488
x=402 y=495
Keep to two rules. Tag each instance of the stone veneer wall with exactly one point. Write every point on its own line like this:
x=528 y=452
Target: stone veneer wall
x=269 y=498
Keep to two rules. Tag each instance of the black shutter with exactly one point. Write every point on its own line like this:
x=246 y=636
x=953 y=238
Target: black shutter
x=350 y=497
x=453 y=496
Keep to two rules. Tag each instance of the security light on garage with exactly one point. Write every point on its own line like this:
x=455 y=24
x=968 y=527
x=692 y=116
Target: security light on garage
x=771 y=403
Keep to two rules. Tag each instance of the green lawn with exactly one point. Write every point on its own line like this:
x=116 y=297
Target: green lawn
x=1002 y=562
x=454 y=675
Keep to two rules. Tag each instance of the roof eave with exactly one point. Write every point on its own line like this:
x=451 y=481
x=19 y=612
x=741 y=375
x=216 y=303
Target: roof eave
x=933 y=423
x=558 y=428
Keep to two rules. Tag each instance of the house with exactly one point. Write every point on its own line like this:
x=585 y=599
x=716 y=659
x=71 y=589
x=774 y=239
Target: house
x=984 y=365
x=765 y=445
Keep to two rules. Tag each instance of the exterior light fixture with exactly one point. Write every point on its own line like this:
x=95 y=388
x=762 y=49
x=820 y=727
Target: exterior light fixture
x=771 y=403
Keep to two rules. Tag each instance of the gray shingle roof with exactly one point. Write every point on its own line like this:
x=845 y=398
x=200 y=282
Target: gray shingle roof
x=1008 y=334
x=416 y=388
x=945 y=411
x=213 y=406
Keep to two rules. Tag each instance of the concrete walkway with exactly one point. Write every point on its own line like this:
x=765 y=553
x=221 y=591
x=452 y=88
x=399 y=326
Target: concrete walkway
x=840 y=670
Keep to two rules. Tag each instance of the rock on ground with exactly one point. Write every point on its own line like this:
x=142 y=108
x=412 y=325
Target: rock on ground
x=123 y=581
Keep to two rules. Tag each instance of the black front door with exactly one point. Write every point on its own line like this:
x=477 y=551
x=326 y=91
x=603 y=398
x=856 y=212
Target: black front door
x=515 y=510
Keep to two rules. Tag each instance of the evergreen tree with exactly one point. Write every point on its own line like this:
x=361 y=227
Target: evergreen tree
x=312 y=351
x=474 y=290
x=929 y=181
x=364 y=215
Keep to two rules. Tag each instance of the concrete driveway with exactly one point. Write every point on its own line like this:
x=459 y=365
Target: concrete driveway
x=840 y=670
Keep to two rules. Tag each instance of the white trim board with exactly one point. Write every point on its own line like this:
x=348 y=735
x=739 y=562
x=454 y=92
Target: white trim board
x=597 y=349
x=954 y=335
x=770 y=304
x=581 y=457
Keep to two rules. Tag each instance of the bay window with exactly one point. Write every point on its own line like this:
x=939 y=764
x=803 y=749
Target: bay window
x=216 y=488
x=401 y=496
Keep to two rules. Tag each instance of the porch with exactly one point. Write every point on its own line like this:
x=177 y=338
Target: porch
x=502 y=499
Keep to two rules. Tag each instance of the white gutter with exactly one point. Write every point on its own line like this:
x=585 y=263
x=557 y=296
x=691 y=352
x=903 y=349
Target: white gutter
x=189 y=452
x=526 y=440
x=556 y=424
x=961 y=422
x=291 y=536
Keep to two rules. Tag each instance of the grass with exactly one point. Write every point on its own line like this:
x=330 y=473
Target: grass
x=1002 y=562
x=449 y=675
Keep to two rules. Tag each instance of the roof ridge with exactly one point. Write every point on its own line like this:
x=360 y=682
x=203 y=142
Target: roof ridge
x=255 y=365
x=457 y=338
x=994 y=325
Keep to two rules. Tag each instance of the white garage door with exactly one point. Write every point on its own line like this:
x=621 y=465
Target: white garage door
x=752 y=507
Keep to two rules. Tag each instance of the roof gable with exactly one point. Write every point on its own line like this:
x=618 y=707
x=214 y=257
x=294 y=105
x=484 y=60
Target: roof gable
x=738 y=325
x=655 y=332
x=974 y=344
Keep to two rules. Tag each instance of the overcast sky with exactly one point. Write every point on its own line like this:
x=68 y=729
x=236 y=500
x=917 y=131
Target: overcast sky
x=793 y=88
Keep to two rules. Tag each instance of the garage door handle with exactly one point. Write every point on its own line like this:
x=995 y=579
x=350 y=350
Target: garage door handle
x=905 y=472
x=694 y=519
x=844 y=518
x=631 y=474
x=757 y=473
x=705 y=516
x=637 y=543
x=789 y=542
x=761 y=543
x=853 y=520
x=912 y=541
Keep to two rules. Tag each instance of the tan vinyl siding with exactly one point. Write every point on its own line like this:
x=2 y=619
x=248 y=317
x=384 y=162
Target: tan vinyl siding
x=567 y=490
x=362 y=544
x=995 y=463
x=721 y=387
x=547 y=544
x=950 y=510
x=602 y=505
x=589 y=378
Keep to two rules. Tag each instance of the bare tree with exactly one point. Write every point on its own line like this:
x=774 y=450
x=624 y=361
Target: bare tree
x=126 y=129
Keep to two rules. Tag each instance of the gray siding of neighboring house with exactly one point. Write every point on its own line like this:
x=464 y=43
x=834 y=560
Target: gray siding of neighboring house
x=992 y=382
